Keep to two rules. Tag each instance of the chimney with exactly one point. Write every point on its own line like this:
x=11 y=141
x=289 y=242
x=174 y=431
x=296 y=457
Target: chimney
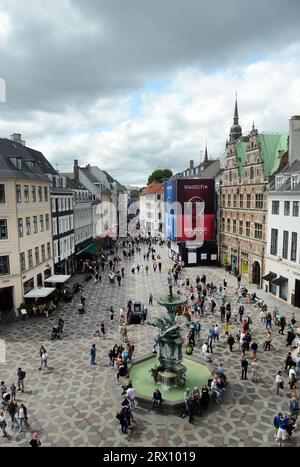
x=191 y=165
x=294 y=139
x=76 y=170
x=88 y=167
x=17 y=138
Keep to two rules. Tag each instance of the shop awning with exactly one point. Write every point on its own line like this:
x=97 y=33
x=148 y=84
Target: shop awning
x=40 y=292
x=57 y=279
x=269 y=277
x=280 y=281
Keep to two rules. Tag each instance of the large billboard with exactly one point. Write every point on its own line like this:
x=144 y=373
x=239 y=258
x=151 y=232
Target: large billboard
x=196 y=222
x=170 y=209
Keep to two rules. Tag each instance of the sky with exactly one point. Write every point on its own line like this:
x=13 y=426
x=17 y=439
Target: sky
x=136 y=85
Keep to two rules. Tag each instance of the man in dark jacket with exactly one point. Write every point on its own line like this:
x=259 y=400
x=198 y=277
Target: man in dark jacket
x=244 y=364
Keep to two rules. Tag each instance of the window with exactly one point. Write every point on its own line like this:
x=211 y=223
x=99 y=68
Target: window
x=285 y=245
x=258 y=231
x=241 y=228
x=278 y=182
x=18 y=193
x=35 y=226
x=3 y=229
x=228 y=225
x=2 y=196
x=248 y=201
x=26 y=193
x=251 y=173
x=4 y=265
x=275 y=208
x=230 y=176
x=49 y=250
x=248 y=229
x=294 y=246
x=37 y=255
x=33 y=193
x=223 y=224
x=241 y=201
x=28 y=226
x=47 y=222
x=296 y=209
x=43 y=253
x=234 y=201
x=274 y=242
x=20 y=227
x=46 y=194
x=30 y=260
x=259 y=201
x=22 y=262
x=229 y=201
x=42 y=227
x=295 y=181
x=40 y=192
x=234 y=226
x=287 y=208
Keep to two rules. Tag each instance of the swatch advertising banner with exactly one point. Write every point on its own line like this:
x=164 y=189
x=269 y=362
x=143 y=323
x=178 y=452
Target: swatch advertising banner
x=170 y=209
x=196 y=222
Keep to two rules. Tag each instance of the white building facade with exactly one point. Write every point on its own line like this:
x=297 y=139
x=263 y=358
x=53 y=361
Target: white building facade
x=152 y=211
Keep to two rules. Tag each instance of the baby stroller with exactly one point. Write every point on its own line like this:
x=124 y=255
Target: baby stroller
x=55 y=334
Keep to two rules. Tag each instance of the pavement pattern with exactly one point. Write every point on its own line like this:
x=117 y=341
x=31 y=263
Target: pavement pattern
x=74 y=404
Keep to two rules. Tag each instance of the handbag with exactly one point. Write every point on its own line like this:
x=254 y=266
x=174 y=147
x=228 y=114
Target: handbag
x=281 y=385
x=118 y=416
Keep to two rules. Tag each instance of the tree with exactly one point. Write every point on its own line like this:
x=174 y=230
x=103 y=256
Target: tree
x=160 y=176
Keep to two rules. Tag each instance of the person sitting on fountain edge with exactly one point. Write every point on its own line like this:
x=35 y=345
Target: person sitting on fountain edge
x=156 y=399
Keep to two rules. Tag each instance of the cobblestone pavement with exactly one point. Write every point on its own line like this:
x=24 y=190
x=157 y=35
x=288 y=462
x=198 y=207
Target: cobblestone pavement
x=74 y=404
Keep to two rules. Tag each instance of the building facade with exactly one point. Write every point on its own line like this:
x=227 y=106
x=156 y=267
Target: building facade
x=152 y=212
x=282 y=277
x=251 y=162
x=26 y=254
x=63 y=227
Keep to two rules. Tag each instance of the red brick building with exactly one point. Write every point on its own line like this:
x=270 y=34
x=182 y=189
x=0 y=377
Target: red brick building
x=251 y=162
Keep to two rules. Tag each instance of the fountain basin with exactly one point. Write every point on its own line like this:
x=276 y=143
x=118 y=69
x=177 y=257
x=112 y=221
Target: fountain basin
x=197 y=375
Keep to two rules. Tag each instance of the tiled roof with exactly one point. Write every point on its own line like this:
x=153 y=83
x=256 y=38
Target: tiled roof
x=11 y=149
x=153 y=189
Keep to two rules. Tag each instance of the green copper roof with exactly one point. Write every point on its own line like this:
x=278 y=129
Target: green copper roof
x=272 y=148
x=240 y=151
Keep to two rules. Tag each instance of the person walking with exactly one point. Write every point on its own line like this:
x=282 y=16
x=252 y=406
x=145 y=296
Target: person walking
x=42 y=350
x=13 y=391
x=281 y=433
x=97 y=330
x=254 y=348
x=22 y=417
x=268 y=341
x=190 y=409
x=3 y=425
x=223 y=313
x=244 y=365
x=93 y=354
x=254 y=368
x=35 y=442
x=44 y=361
x=279 y=382
x=151 y=299
x=21 y=377
x=282 y=325
x=125 y=419
x=294 y=408
x=12 y=409
x=197 y=329
x=112 y=312
x=103 y=332
x=231 y=342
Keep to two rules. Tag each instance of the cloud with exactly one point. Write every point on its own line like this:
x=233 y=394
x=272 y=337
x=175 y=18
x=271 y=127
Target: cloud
x=133 y=86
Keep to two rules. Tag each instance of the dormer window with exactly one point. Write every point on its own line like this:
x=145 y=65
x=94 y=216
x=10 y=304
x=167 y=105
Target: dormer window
x=17 y=162
x=294 y=181
x=29 y=164
x=279 y=182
